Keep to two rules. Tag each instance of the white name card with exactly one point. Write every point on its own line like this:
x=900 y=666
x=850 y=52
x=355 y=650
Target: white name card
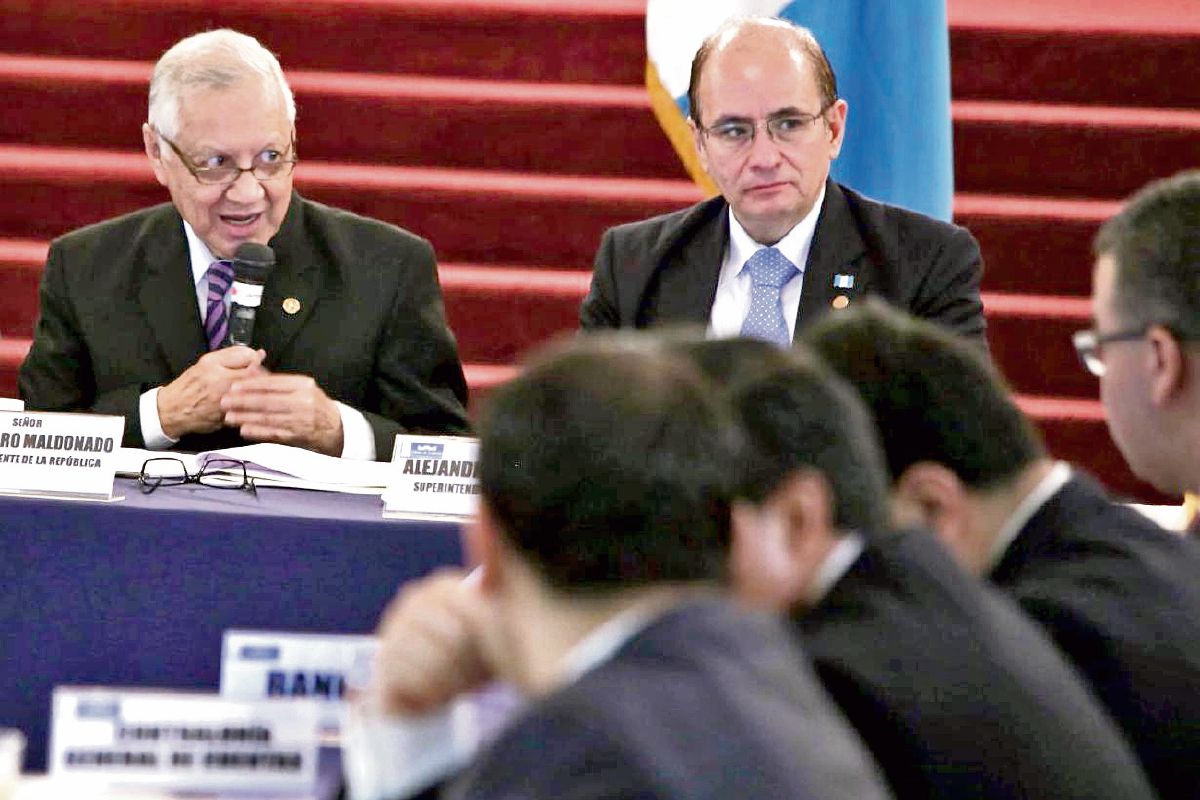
x=258 y=665
x=435 y=478
x=182 y=741
x=66 y=455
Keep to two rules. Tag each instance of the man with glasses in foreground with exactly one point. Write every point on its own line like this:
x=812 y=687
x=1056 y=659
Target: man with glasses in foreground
x=1146 y=315
x=1119 y=595
x=350 y=343
x=783 y=244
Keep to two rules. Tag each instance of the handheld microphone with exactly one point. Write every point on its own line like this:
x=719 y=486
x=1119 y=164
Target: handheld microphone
x=252 y=263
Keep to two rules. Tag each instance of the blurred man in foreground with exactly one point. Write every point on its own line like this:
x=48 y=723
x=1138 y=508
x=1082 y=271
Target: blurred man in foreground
x=602 y=544
x=955 y=691
x=1119 y=595
x=783 y=244
x=350 y=344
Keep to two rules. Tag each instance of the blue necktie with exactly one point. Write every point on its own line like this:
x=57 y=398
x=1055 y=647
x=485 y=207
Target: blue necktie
x=216 y=321
x=769 y=270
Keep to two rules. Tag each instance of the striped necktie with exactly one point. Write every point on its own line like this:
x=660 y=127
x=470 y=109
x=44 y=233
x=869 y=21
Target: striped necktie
x=216 y=321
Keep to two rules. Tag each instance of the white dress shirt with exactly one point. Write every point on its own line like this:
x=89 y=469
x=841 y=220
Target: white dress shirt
x=358 y=440
x=732 y=301
x=1047 y=487
x=835 y=566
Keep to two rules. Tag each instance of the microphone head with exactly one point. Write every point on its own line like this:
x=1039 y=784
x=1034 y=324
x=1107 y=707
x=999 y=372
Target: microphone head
x=252 y=262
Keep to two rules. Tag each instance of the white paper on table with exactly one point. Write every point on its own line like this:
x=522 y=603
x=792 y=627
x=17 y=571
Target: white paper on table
x=271 y=464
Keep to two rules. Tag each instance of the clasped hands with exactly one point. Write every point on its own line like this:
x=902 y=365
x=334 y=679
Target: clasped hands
x=231 y=387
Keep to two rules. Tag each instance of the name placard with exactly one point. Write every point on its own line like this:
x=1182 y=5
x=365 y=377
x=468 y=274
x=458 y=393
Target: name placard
x=182 y=741
x=259 y=665
x=435 y=478
x=65 y=455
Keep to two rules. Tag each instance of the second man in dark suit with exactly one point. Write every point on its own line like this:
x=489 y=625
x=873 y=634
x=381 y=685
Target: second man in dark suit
x=783 y=244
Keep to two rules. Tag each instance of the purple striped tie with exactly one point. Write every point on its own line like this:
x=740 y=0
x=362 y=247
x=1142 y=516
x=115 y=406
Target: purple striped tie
x=216 y=321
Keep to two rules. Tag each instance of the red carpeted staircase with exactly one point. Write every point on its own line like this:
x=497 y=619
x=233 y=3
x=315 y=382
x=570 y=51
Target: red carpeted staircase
x=512 y=132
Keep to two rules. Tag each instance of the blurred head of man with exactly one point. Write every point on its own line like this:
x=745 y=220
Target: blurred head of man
x=812 y=470
x=221 y=137
x=606 y=472
x=961 y=453
x=766 y=120
x=1143 y=346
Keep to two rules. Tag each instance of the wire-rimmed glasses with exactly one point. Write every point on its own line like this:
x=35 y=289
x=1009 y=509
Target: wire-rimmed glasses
x=736 y=135
x=217 y=473
x=1089 y=346
x=267 y=165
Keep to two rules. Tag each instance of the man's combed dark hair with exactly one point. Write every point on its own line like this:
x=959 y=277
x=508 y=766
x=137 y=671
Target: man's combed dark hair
x=798 y=414
x=935 y=397
x=1155 y=243
x=609 y=464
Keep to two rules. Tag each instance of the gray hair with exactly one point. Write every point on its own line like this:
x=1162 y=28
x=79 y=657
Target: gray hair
x=215 y=60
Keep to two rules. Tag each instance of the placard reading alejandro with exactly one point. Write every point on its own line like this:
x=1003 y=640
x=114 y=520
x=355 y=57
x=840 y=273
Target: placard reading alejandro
x=436 y=477
x=71 y=455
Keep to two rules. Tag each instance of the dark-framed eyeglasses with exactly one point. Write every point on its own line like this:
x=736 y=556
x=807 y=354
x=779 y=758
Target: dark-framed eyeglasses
x=267 y=165
x=218 y=473
x=736 y=135
x=1089 y=345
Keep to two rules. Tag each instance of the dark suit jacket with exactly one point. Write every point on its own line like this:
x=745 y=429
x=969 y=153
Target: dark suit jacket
x=707 y=702
x=665 y=269
x=957 y=693
x=119 y=316
x=1121 y=597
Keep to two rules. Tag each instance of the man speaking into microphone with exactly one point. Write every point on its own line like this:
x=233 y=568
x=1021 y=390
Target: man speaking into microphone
x=348 y=344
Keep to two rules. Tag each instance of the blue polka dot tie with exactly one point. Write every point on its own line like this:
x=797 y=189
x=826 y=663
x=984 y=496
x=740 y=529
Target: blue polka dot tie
x=216 y=321
x=769 y=270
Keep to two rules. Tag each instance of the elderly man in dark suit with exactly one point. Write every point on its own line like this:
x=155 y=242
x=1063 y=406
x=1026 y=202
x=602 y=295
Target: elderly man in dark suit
x=783 y=244
x=350 y=345
x=1119 y=595
x=601 y=542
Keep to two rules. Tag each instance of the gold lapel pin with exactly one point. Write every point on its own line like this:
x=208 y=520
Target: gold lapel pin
x=840 y=302
x=291 y=305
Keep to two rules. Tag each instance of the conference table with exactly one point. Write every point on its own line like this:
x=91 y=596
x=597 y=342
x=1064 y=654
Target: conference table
x=137 y=592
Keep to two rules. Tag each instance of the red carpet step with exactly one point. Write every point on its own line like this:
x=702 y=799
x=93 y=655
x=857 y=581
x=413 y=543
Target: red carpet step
x=585 y=128
x=589 y=42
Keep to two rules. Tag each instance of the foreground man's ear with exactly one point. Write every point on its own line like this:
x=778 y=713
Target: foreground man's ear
x=779 y=545
x=930 y=495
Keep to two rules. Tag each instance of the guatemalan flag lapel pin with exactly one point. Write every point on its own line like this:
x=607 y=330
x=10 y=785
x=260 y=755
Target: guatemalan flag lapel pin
x=844 y=283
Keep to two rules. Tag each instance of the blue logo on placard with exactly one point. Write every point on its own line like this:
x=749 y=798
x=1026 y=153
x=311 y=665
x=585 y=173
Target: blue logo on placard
x=259 y=653
x=426 y=450
x=98 y=709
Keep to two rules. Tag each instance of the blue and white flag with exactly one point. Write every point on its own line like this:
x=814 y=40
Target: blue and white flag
x=892 y=62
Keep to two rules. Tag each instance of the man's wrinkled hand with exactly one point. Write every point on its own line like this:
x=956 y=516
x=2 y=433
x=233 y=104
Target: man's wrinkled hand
x=288 y=409
x=192 y=402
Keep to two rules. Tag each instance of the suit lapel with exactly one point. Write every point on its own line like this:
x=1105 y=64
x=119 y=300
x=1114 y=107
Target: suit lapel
x=167 y=293
x=686 y=266
x=293 y=287
x=834 y=260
